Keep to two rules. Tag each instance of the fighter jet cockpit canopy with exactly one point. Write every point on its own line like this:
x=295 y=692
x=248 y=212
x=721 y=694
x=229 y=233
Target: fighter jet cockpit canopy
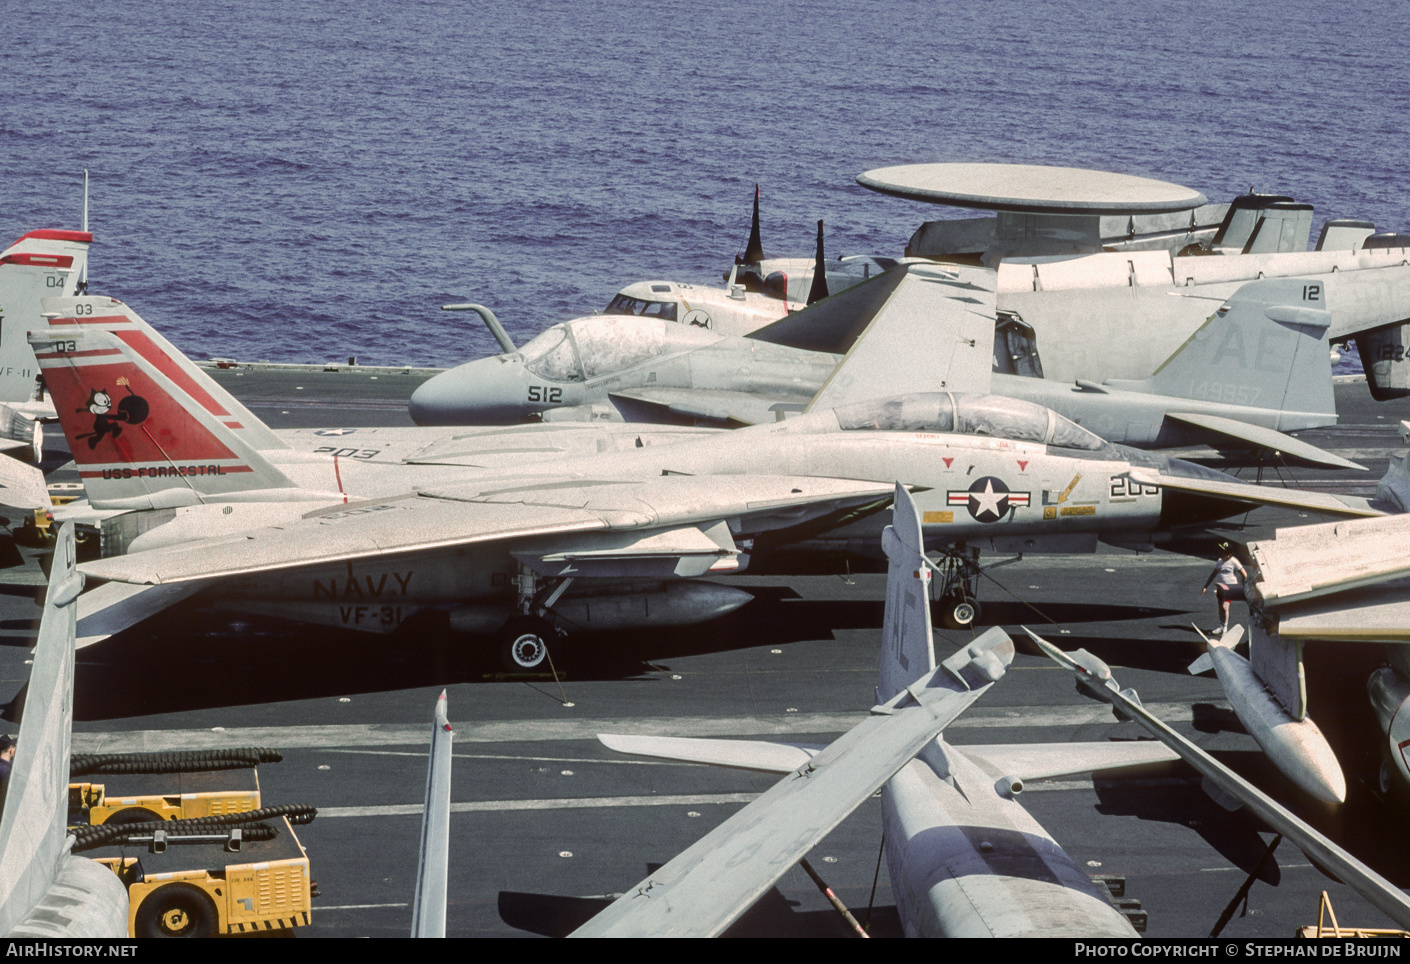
x=994 y=415
x=588 y=348
x=632 y=304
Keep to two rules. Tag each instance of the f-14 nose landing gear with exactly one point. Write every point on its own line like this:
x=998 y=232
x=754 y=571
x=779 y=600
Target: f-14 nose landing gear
x=523 y=642
x=954 y=589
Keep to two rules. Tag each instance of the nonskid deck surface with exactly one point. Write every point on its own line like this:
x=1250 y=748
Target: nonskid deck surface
x=544 y=816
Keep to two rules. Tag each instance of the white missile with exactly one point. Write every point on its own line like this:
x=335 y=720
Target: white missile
x=1296 y=747
x=1390 y=692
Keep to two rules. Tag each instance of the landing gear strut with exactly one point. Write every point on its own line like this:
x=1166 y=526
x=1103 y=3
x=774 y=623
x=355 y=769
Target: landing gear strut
x=523 y=642
x=954 y=589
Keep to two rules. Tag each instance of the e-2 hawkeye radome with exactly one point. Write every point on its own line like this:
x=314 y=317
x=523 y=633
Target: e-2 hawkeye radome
x=1076 y=291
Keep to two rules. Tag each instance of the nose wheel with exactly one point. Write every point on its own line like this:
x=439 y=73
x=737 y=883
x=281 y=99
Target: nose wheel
x=523 y=644
x=955 y=590
x=959 y=612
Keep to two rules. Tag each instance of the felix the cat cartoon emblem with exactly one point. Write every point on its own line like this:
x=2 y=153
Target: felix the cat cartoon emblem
x=108 y=419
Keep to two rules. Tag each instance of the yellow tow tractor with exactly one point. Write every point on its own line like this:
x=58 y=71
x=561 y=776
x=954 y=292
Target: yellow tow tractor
x=213 y=861
x=133 y=791
x=207 y=881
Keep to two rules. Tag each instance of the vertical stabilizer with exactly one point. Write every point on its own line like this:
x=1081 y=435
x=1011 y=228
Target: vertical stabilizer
x=140 y=441
x=1266 y=347
x=754 y=249
x=428 y=913
x=818 y=290
x=907 y=647
x=934 y=333
x=45 y=891
x=95 y=312
x=37 y=266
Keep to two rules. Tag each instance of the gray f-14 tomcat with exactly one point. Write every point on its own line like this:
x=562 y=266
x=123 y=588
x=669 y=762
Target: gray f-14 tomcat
x=518 y=531
x=1257 y=368
x=964 y=857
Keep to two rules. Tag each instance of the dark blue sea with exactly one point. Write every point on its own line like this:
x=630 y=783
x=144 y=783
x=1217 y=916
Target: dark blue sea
x=306 y=181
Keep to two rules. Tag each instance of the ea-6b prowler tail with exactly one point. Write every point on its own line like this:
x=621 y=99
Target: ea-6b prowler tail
x=1266 y=347
x=140 y=440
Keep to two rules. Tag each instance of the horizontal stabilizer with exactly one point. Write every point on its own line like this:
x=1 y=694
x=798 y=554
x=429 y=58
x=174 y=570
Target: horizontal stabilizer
x=1378 y=614
x=507 y=509
x=1222 y=430
x=1304 y=562
x=1380 y=892
x=22 y=485
x=428 y=910
x=1041 y=761
x=1205 y=664
x=1260 y=494
x=707 y=886
x=689 y=406
x=115 y=606
x=736 y=754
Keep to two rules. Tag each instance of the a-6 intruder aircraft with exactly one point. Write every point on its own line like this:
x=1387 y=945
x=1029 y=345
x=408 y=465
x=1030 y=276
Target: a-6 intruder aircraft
x=585 y=527
x=965 y=858
x=1257 y=368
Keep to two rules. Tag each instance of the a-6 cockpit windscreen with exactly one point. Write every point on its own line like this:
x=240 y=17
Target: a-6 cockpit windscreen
x=592 y=347
x=993 y=415
x=626 y=305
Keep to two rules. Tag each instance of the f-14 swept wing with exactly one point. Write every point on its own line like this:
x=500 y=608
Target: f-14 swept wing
x=551 y=515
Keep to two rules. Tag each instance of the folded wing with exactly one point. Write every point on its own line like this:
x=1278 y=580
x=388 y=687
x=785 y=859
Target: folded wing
x=531 y=513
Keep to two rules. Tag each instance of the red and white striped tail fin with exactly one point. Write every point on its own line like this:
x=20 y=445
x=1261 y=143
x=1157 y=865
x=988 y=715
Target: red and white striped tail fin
x=37 y=266
x=140 y=439
x=94 y=312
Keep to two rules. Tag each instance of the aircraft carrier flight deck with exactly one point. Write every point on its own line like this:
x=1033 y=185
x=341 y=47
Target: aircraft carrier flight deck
x=547 y=824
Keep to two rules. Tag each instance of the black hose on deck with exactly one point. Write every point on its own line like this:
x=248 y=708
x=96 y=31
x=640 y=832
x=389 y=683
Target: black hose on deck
x=186 y=761
x=86 y=838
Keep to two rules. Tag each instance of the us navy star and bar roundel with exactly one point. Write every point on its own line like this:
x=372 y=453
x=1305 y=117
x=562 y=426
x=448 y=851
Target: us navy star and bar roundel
x=989 y=499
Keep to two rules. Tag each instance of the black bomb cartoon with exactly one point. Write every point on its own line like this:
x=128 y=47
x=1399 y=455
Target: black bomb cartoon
x=131 y=410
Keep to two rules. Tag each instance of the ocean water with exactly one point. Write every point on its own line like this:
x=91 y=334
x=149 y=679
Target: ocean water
x=307 y=181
